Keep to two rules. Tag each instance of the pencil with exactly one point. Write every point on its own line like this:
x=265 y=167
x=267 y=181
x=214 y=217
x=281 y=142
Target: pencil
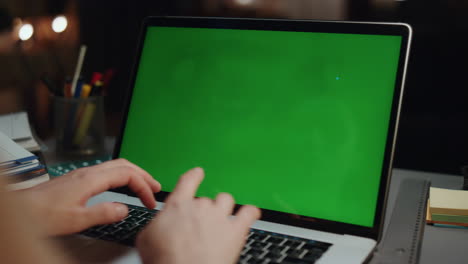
x=79 y=65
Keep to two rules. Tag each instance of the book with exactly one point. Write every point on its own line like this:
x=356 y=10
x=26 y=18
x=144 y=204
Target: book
x=16 y=127
x=19 y=166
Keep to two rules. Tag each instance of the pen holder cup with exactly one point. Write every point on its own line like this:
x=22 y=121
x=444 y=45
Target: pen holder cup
x=79 y=125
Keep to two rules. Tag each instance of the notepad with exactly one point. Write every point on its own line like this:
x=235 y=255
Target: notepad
x=447 y=208
x=448 y=202
x=450 y=218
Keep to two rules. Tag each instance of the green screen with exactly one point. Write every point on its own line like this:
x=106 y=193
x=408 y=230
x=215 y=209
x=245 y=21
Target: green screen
x=288 y=121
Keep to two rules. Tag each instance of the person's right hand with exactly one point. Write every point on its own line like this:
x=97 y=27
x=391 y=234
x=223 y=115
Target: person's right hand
x=196 y=230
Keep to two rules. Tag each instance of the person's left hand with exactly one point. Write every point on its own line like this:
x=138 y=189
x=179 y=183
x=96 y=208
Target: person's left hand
x=60 y=204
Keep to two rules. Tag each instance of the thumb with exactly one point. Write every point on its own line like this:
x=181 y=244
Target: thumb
x=106 y=213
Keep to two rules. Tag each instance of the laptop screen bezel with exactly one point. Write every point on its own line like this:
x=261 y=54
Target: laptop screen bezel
x=394 y=29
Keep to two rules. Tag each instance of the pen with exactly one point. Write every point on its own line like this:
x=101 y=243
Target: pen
x=97 y=76
x=67 y=88
x=78 y=88
x=86 y=91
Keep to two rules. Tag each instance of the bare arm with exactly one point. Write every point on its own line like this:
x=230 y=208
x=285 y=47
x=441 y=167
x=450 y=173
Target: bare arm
x=20 y=240
x=29 y=217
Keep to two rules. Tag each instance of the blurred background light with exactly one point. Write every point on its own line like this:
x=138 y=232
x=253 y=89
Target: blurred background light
x=244 y=2
x=26 y=31
x=59 y=24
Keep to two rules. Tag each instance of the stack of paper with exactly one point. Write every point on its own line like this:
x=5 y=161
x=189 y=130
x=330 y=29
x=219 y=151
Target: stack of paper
x=16 y=126
x=17 y=164
x=448 y=207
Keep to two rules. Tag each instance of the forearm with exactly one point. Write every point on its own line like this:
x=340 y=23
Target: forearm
x=21 y=240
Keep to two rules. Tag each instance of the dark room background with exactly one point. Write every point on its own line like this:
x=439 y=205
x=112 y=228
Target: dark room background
x=433 y=133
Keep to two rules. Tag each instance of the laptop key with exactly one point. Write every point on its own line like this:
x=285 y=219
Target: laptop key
x=120 y=234
x=259 y=245
x=137 y=213
x=276 y=240
x=127 y=226
x=274 y=257
x=256 y=261
x=132 y=219
x=258 y=237
x=257 y=253
x=290 y=260
x=316 y=245
x=292 y=243
x=245 y=251
x=244 y=259
x=109 y=229
x=296 y=253
x=144 y=222
x=150 y=215
x=275 y=249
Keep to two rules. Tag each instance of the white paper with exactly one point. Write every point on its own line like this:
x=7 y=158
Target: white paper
x=9 y=150
x=16 y=126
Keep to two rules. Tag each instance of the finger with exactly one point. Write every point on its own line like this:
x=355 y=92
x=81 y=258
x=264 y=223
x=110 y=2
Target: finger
x=108 y=164
x=121 y=176
x=204 y=202
x=187 y=185
x=104 y=213
x=225 y=202
x=246 y=216
x=154 y=184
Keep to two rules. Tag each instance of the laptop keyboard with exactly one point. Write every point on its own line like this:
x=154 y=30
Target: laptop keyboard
x=262 y=247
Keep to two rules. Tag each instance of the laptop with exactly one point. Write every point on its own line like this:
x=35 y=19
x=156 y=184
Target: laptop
x=296 y=117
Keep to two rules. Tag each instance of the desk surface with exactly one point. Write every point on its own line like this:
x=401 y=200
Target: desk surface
x=440 y=245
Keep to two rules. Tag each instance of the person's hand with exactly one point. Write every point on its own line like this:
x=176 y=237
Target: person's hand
x=60 y=204
x=197 y=231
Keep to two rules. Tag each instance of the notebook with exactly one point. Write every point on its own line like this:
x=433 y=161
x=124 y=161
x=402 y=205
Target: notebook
x=296 y=117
